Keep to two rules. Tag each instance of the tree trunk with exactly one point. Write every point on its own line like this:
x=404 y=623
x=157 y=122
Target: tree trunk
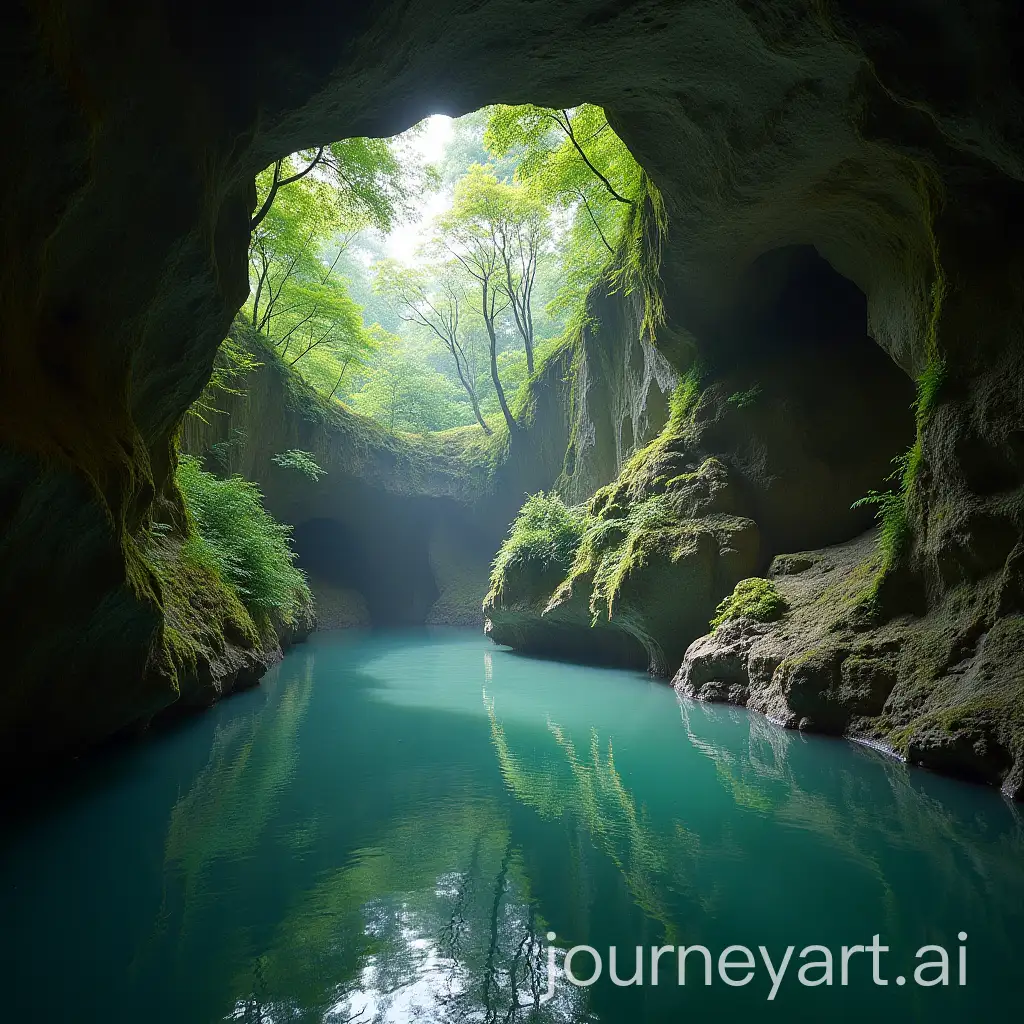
x=505 y=411
x=464 y=378
x=476 y=412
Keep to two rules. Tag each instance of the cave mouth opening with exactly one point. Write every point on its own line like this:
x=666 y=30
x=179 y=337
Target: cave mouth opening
x=788 y=301
x=818 y=410
x=422 y=279
x=382 y=573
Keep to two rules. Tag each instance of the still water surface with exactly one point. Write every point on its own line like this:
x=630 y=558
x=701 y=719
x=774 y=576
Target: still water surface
x=388 y=828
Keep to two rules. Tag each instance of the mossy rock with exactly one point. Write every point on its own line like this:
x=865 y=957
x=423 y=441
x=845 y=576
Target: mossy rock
x=754 y=598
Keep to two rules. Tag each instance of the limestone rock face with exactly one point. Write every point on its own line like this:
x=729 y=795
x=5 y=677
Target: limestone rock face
x=944 y=688
x=657 y=550
x=758 y=450
x=886 y=136
x=664 y=597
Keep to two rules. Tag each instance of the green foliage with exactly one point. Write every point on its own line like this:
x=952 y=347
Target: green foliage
x=546 y=533
x=467 y=147
x=403 y=394
x=644 y=467
x=929 y=389
x=892 y=516
x=302 y=462
x=236 y=535
x=302 y=232
x=891 y=507
x=297 y=298
x=232 y=364
x=640 y=515
x=573 y=161
x=753 y=598
x=201 y=609
x=745 y=399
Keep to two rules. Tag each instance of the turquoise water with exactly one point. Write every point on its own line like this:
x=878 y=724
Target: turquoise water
x=392 y=823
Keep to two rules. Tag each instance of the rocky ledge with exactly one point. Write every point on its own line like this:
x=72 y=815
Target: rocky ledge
x=943 y=689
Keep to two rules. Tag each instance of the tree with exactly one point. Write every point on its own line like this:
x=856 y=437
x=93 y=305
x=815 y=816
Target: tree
x=438 y=309
x=403 y=394
x=572 y=159
x=310 y=207
x=517 y=224
x=469 y=234
x=466 y=147
x=521 y=233
x=299 y=301
x=365 y=180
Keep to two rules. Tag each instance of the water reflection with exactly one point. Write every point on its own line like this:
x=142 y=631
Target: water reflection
x=436 y=923
x=387 y=830
x=592 y=795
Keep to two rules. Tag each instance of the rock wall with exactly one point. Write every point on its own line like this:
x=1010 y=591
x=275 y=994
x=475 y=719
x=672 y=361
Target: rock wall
x=772 y=442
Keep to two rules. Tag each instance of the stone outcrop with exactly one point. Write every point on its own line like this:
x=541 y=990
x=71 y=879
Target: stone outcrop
x=943 y=688
x=758 y=450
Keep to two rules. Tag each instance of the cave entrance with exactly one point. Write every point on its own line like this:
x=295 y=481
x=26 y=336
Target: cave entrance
x=376 y=572
x=816 y=411
x=789 y=300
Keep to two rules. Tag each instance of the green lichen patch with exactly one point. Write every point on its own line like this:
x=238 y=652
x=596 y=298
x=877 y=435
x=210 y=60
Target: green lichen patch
x=755 y=598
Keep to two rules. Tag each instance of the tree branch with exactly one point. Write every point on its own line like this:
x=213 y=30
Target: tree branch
x=566 y=127
x=593 y=220
x=277 y=184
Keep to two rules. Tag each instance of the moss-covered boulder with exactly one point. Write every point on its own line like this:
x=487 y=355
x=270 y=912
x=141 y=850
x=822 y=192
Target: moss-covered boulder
x=662 y=545
x=942 y=688
x=636 y=573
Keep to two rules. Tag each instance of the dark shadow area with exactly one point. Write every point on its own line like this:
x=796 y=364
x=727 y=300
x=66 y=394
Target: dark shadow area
x=791 y=299
x=815 y=410
x=387 y=560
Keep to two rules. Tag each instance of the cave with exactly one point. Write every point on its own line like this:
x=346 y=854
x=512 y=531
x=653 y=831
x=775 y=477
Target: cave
x=741 y=576
x=388 y=566
x=903 y=175
x=796 y=341
x=789 y=301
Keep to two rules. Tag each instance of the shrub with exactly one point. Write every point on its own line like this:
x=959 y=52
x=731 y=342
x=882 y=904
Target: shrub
x=250 y=549
x=546 y=532
x=302 y=462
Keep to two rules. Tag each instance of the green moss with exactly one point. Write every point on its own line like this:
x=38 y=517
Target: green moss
x=745 y=399
x=637 y=263
x=545 y=534
x=753 y=598
x=642 y=514
x=202 y=611
x=929 y=389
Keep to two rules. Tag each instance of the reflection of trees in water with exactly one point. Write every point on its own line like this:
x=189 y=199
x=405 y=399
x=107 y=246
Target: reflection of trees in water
x=434 y=919
x=228 y=806
x=864 y=812
x=593 y=794
x=227 y=809
x=435 y=922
